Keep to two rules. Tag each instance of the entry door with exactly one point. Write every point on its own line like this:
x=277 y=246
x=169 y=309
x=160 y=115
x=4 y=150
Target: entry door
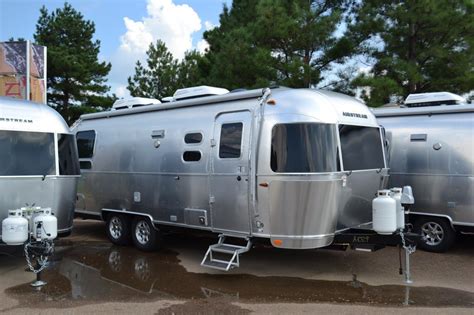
x=230 y=173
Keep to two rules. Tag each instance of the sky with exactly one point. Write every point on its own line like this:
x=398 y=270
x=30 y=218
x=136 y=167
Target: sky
x=124 y=27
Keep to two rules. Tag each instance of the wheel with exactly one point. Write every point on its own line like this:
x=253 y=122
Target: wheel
x=437 y=235
x=118 y=229
x=145 y=236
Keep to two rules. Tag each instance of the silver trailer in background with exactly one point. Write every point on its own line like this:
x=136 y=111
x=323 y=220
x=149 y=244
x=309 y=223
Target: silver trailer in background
x=295 y=166
x=38 y=161
x=432 y=150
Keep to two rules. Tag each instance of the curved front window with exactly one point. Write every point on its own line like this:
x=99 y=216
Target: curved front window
x=67 y=155
x=304 y=148
x=361 y=147
x=26 y=153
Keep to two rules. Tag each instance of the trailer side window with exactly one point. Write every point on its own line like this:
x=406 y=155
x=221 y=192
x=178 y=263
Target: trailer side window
x=231 y=141
x=85 y=165
x=192 y=156
x=361 y=147
x=304 y=148
x=26 y=153
x=85 y=143
x=193 y=138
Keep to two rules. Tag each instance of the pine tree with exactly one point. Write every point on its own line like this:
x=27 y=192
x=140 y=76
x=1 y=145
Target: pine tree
x=265 y=42
x=76 y=79
x=164 y=74
x=416 y=46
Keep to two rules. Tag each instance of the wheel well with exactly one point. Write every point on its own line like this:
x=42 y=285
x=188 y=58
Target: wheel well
x=414 y=218
x=131 y=216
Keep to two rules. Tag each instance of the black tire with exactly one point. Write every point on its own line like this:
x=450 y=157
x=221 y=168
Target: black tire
x=144 y=235
x=118 y=229
x=437 y=234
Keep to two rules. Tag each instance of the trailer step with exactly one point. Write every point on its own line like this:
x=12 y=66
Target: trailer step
x=367 y=247
x=228 y=254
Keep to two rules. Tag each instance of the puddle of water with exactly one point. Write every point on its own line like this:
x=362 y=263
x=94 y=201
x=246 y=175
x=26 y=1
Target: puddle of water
x=98 y=272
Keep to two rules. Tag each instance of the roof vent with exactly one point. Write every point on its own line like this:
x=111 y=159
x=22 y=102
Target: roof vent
x=198 y=91
x=134 y=102
x=433 y=99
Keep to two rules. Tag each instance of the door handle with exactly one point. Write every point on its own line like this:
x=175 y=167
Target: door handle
x=239 y=178
x=176 y=177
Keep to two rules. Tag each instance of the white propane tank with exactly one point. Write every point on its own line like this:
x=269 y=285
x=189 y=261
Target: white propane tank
x=45 y=225
x=384 y=213
x=14 y=228
x=397 y=195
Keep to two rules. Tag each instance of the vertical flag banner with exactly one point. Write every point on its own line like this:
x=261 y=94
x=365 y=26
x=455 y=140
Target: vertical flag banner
x=23 y=71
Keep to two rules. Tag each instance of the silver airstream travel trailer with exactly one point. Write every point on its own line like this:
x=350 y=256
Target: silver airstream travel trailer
x=296 y=166
x=38 y=160
x=432 y=149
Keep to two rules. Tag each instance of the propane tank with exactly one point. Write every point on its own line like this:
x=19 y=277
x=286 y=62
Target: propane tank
x=14 y=228
x=397 y=195
x=45 y=225
x=384 y=213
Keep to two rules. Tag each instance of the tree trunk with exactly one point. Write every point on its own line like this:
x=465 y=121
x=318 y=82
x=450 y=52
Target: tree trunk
x=412 y=86
x=307 y=70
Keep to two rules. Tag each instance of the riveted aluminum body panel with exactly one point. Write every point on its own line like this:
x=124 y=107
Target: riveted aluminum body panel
x=441 y=168
x=127 y=161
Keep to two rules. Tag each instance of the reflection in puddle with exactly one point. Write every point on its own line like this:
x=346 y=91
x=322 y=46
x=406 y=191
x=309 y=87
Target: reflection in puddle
x=91 y=273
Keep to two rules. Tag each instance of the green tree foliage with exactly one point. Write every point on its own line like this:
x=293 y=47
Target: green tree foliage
x=235 y=59
x=275 y=41
x=416 y=46
x=164 y=74
x=76 y=79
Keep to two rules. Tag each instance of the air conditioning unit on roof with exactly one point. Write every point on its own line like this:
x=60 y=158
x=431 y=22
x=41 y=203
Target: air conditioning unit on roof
x=433 y=99
x=198 y=91
x=134 y=102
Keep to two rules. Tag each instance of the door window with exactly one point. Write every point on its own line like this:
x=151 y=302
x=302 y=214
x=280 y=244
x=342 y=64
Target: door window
x=231 y=141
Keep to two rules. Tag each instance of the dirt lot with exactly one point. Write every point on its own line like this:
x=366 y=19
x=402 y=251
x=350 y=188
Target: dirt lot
x=89 y=275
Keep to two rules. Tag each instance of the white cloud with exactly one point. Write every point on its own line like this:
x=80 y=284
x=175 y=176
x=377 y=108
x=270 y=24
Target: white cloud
x=121 y=91
x=208 y=25
x=364 y=69
x=202 y=46
x=173 y=24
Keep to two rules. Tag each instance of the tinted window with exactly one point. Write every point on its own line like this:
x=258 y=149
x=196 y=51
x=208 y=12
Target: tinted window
x=193 y=138
x=231 y=141
x=26 y=153
x=192 y=156
x=67 y=153
x=361 y=147
x=85 y=165
x=304 y=148
x=85 y=143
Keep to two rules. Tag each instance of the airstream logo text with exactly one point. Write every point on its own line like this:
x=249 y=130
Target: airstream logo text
x=18 y=120
x=354 y=115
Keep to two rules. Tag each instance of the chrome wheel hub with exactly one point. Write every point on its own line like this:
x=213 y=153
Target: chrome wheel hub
x=115 y=228
x=142 y=232
x=432 y=233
